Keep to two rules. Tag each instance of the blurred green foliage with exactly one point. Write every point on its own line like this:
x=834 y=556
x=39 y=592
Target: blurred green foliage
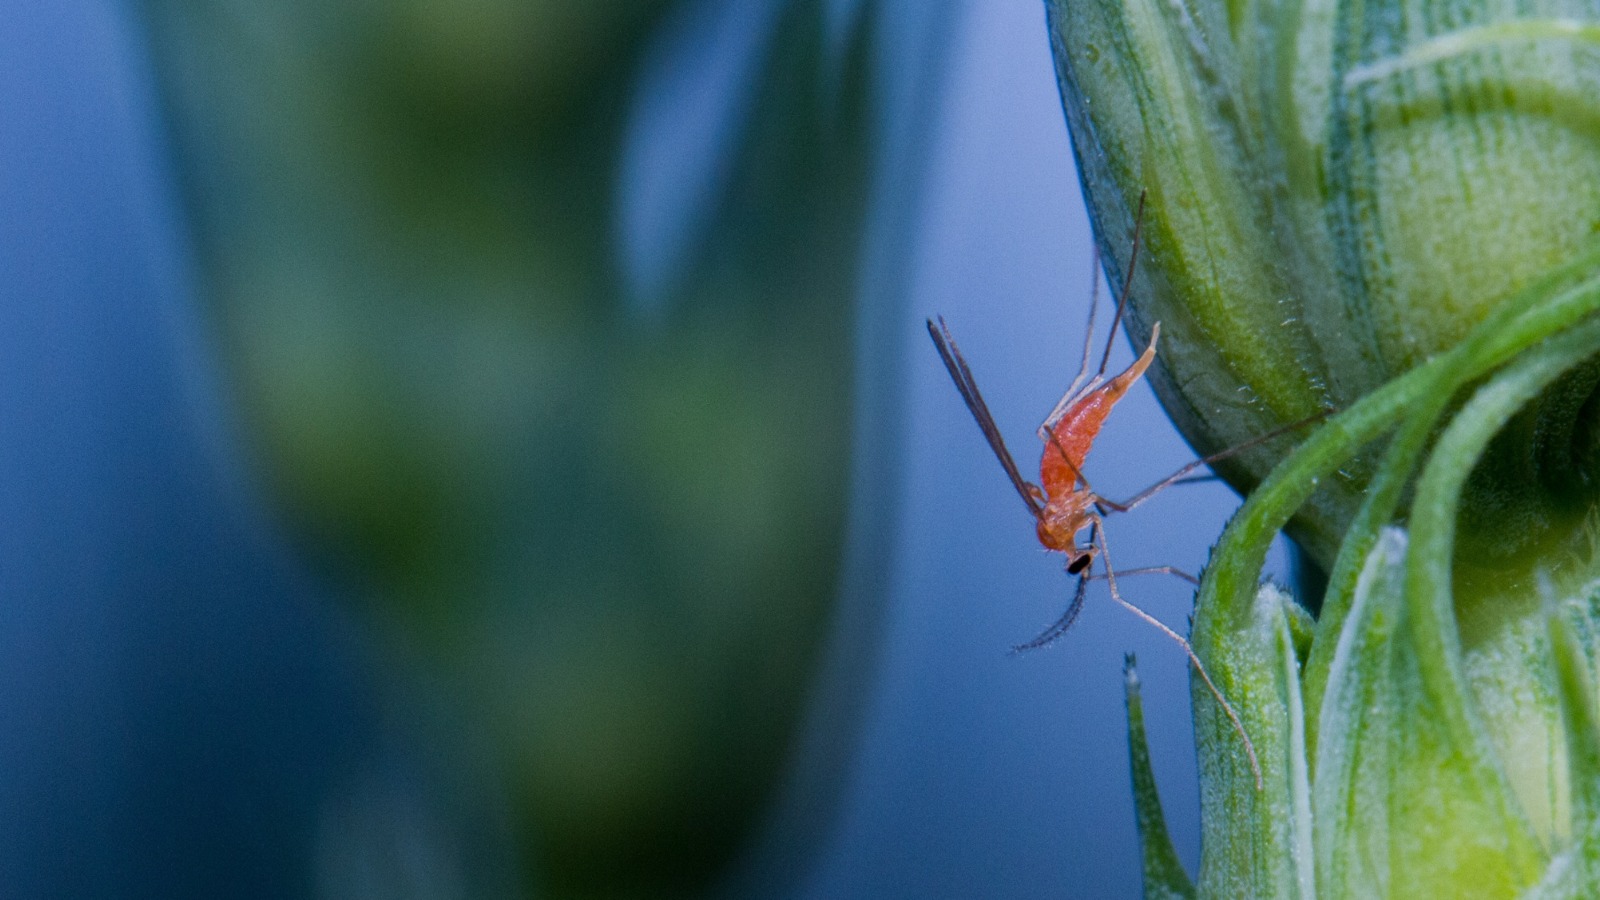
x=615 y=540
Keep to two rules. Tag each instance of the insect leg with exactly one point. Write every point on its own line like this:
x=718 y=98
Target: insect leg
x=1183 y=474
x=1098 y=535
x=1152 y=570
x=1071 y=395
x=1079 y=387
x=1127 y=284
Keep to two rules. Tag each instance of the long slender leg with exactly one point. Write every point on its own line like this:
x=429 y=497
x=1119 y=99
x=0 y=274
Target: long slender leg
x=1064 y=624
x=1072 y=393
x=1079 y=387
x=1127 y=284
x=1151 y=570
x=1099 y=536
x=1182 y=474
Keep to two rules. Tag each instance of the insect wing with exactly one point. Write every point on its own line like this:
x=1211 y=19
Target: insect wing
x=962 y=376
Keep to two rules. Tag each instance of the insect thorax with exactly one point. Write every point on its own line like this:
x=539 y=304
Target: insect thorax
x=1061 y=520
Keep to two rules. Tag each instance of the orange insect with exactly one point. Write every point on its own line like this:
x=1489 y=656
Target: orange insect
x=1066 y=505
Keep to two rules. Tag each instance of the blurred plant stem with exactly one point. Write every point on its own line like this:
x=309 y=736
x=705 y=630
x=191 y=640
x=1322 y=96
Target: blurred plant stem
x=616 y=539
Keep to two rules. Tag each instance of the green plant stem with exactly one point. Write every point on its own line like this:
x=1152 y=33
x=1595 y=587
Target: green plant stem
x=1385 y=490
x=1236 y=627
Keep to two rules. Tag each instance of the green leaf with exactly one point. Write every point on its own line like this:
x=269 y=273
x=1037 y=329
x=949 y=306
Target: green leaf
x=1402 y=808
x=1576 y=873
x=1265 y=848
x=1164 y=876
x=1449 y=820
x=1352 y=770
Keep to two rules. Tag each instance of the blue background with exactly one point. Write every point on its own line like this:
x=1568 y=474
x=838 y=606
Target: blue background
x=184 y=710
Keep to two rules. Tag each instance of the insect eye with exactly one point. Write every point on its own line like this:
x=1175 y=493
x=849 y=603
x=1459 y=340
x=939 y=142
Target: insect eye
x=1079 y=563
